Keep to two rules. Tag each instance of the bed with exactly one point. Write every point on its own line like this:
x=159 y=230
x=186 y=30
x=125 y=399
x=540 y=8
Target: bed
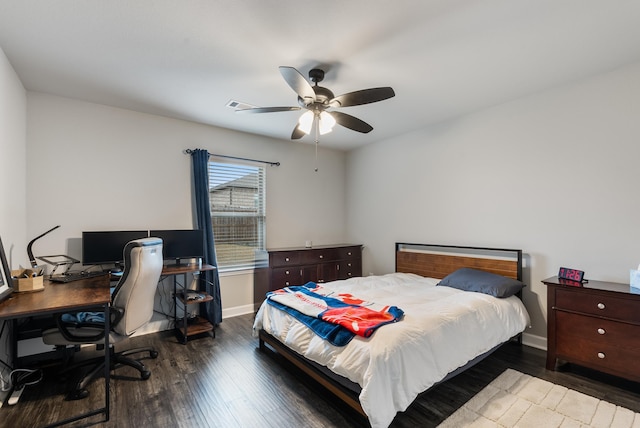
x=444 y=329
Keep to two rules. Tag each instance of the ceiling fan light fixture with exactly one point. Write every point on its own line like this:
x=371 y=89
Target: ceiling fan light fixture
x=327 y=122
x=305 y=123
x=316 y=99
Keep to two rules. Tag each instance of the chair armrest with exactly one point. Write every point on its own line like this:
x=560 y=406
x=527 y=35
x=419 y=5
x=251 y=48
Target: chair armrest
x=115 y=315
x=63 y=327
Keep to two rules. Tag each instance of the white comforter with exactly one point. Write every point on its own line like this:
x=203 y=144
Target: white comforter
x=442 y=329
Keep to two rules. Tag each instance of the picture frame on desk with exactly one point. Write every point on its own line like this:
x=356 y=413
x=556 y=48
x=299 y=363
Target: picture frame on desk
x=6 y=285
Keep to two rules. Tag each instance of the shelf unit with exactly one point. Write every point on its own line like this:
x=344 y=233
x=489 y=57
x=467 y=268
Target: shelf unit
x=184 y=327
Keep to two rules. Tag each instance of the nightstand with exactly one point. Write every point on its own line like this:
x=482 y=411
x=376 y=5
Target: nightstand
x=595 y=325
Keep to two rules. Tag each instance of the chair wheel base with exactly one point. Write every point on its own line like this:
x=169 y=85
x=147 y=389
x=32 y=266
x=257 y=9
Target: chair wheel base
x=145 y=375
x=153 y=354
x=78 y=394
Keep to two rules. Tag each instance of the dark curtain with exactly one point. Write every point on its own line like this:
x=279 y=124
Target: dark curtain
x=209 y=280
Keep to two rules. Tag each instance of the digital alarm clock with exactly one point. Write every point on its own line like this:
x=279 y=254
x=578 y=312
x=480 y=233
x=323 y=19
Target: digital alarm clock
x=571 y=274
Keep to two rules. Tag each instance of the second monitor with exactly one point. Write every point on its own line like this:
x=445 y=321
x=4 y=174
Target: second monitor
x=180 y=244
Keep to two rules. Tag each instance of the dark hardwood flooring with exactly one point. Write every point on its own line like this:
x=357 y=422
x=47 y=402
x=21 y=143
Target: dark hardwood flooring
x=228 y=382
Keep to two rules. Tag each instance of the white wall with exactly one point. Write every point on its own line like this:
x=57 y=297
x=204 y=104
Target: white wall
x=13 y=171
x=555 y=174
x=94 y=167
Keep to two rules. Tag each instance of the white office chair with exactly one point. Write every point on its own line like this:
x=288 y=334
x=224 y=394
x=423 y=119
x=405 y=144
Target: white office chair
x=131 y=308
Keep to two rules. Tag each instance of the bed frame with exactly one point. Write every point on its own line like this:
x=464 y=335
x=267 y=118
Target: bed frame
x=435 y=261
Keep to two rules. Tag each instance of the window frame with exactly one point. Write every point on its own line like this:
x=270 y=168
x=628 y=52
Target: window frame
x=221 y=174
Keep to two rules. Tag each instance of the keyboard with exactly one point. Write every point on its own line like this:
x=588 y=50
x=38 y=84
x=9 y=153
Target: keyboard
x=74 y=276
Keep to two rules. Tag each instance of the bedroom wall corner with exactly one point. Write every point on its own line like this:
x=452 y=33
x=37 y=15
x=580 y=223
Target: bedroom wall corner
x=13 y=173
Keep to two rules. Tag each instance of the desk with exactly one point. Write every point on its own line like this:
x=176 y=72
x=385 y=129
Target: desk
x=82 y=295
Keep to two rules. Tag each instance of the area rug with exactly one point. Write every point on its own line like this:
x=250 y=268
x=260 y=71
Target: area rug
x=515 y=399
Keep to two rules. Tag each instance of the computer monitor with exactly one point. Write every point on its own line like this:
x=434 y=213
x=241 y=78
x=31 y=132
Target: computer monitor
x=180 y=244
x=106 y=247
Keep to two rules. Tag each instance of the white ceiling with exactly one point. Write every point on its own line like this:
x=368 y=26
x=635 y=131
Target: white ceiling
x=188 y=58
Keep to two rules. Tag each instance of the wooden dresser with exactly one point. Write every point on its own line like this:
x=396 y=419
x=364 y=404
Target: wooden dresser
x=595 y=325
x=297 y=266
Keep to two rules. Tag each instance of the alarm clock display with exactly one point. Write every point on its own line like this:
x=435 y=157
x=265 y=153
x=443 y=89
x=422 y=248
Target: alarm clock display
x=571 y=274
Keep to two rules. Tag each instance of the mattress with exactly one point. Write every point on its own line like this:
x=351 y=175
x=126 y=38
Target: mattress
x=443 y=329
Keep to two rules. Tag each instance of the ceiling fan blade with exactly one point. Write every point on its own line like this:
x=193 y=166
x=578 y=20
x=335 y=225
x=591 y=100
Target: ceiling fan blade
x=365 y=96
x=266 y=109
x=298 y=83
x=351 y=122
x=297 y=133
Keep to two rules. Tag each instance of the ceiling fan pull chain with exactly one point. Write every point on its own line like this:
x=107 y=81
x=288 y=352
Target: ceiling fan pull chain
x=317 y=126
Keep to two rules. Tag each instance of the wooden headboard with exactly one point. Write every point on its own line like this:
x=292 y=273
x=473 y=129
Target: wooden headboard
x=437 y=261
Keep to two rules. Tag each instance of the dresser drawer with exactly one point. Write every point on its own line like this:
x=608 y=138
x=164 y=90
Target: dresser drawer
x=608 y=358
x=349 y=269
x=598 y=304
x=599 y=331
x=284 y=258
x=320 y=255
x=284 y=277
x=349 y=253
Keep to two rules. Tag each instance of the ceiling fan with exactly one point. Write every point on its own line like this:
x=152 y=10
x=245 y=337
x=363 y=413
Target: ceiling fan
x=318 y=101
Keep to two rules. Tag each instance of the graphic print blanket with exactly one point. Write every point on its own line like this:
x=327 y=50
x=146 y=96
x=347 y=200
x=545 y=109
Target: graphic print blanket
x=335 y=317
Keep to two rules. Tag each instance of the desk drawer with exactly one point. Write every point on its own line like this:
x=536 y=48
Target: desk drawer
x=598 y=304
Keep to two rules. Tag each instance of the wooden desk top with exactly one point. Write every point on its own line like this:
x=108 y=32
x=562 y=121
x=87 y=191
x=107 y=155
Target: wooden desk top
x=58 y=297
x=179 y=269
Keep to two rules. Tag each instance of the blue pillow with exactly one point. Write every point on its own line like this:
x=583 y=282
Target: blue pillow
x=468 y=279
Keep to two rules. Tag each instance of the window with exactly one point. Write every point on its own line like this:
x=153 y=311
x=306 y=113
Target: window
x=236 y=198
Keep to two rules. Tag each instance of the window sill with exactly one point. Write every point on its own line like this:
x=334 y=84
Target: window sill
x=234 y=272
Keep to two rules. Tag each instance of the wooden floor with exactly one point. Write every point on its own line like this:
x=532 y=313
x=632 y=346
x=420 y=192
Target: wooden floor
x=228 y=382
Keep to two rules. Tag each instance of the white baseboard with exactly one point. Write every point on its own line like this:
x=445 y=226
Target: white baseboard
x=156 y=325
x=160 y=322
x=534 y=341
x=237 y=311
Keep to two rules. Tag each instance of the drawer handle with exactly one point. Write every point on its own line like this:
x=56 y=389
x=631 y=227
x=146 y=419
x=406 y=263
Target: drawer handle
x=349 y=274
x=286 y=272
x=349 y=264
x=321 y=280
x=286 y=283
x=286 y=259
x=321 y=256
x=601 y=331
x=601 y=355
x=349 y=253
x=601 y=306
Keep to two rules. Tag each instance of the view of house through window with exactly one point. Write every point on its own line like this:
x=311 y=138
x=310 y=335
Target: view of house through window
x=236 y=198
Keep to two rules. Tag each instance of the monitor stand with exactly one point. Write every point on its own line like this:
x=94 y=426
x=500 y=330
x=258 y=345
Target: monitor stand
x=189 y=262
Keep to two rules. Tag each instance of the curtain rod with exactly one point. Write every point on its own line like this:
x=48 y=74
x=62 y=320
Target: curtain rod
x=189 y=151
